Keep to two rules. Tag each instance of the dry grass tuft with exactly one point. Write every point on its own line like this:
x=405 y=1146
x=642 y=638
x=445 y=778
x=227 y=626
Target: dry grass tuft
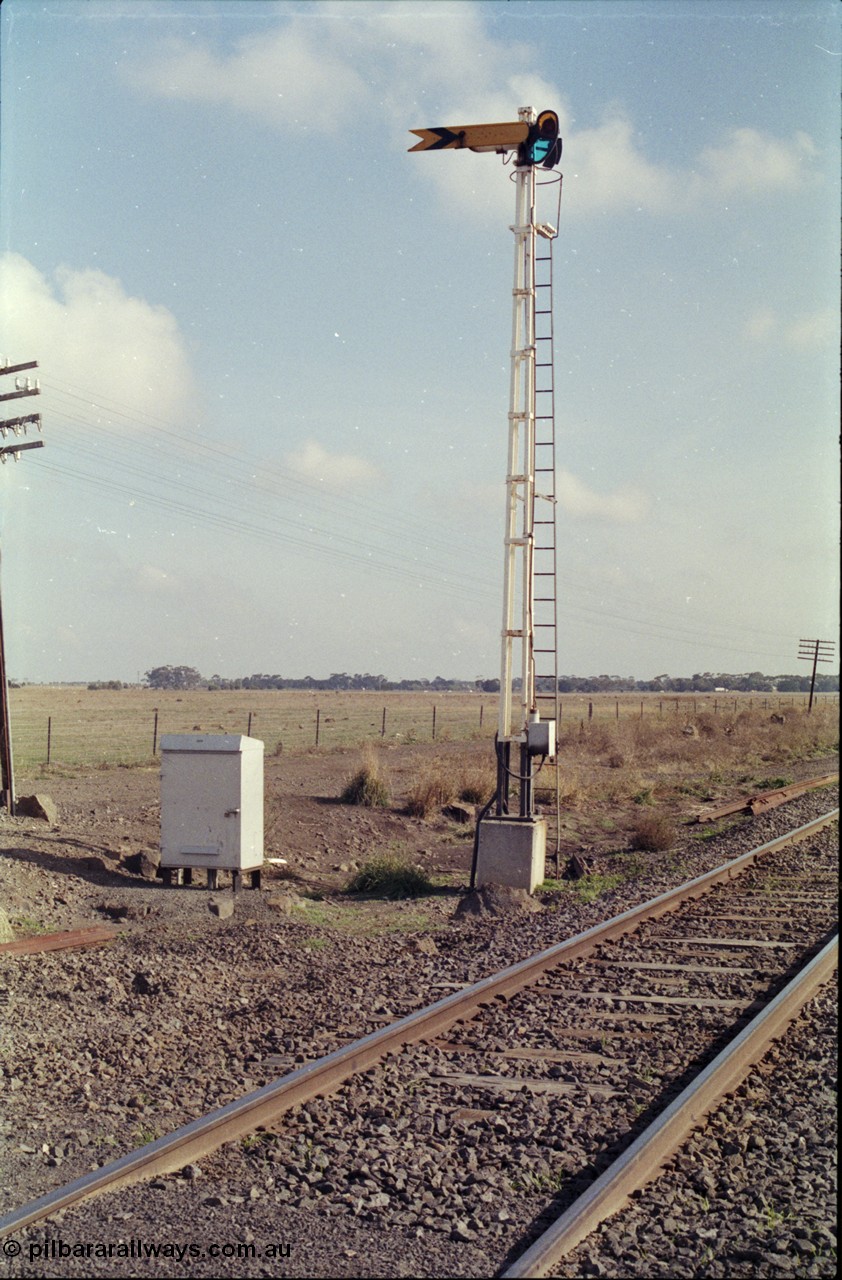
x=433 y=789
x=653 y=832
x=368 y=786
x=475 y=784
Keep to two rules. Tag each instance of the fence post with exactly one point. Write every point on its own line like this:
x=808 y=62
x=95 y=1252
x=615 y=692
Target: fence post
x=49 y=737
x=155 y=733
x=616 y=708
x=590 y=711
x=641 y=708
x=434 y=722
x=481 y=709
x=248 y=730
x=383 y=725
x=318 y=720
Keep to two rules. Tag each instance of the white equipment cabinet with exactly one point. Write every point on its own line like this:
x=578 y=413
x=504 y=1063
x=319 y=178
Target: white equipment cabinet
x=211 y=806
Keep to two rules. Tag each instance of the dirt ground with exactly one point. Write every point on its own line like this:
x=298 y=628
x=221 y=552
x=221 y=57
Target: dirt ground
x=109 y=813
x=105 y=814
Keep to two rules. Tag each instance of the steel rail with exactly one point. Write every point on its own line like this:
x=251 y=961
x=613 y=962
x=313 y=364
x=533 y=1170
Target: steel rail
x=760 y=801
x=260 y=1108
x=647 y=1155
x=94 y=936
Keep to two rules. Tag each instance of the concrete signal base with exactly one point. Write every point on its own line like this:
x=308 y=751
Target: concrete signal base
x=512 y=851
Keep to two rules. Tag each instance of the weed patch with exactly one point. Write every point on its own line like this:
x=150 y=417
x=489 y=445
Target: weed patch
x=587 y=889
x=316 y=943
x=593 y=886
x=390 y=877
x=27 y=927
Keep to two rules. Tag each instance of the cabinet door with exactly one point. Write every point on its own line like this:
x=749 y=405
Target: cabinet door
x=200 y=809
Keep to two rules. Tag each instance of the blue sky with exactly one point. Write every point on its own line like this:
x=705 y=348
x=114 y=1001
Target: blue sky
x=274 y=346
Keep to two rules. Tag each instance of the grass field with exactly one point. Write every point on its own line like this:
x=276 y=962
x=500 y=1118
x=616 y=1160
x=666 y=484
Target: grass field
x=75 y=726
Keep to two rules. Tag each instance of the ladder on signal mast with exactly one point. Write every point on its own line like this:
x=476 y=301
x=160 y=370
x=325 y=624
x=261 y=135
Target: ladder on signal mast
x=544 y=505
x=544 y=502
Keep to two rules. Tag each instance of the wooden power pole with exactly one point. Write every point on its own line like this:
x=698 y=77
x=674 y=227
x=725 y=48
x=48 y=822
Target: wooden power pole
x=815 y=651
x=24 y=386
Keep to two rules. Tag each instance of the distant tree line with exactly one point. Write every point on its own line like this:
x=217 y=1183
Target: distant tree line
x=190 y=678
x=705 y=682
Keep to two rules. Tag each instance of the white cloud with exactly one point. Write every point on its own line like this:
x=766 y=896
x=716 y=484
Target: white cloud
x=336 y=472
x=810 y=331
x=290 y=78
x=752 y=161
x=761 y=324
x=807 y=332
x=413 y=65
x=607 y=170
x=625 y=506
x=151 y=579
x=86 y=330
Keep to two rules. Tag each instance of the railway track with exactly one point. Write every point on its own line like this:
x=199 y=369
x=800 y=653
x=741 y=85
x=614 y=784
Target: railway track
x=484 y=1114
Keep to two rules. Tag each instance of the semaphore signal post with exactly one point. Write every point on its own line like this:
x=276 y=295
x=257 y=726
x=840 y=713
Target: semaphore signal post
x=17 y=427
x=510 y=847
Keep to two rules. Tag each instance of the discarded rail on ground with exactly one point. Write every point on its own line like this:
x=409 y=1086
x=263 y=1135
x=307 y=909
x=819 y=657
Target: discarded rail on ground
x=94 y=936
x=760 y=801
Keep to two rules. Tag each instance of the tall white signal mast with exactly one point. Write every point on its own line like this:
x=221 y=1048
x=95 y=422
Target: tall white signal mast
x=511 y=847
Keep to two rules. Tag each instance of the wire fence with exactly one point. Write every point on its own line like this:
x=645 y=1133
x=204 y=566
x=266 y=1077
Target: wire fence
x=80 y=727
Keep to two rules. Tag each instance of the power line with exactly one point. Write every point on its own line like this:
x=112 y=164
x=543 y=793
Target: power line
x=255 y=479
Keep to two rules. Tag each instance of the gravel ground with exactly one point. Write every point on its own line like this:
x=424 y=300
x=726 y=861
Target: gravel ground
x=186 y=1011
x=752 y=1193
